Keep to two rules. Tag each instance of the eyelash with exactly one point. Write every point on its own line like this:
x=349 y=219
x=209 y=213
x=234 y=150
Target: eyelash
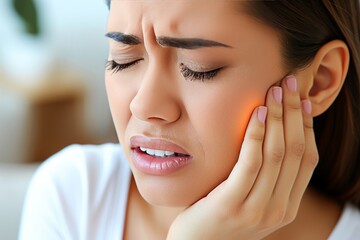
x=117 y=67
x=185 y=71
x=201 y=76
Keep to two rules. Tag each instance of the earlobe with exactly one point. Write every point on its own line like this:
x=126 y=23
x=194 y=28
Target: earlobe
x=329 y=69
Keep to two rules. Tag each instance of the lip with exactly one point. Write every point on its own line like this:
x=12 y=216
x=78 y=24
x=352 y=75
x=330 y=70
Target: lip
x=157 y=165
x=154 y=143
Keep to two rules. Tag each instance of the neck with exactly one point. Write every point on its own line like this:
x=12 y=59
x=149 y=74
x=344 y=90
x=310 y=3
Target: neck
x=157 y=219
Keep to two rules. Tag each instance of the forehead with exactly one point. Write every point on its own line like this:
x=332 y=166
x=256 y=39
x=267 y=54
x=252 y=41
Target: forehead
x=224 y=21
x=173 y=17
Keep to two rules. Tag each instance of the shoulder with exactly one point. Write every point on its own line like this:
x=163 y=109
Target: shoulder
x=348 y=226
x=83 y=157
x=78 y=162
x=78 y=182
x=78 y=167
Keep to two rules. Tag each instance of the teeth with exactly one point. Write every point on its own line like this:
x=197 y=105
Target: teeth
x=157 y=153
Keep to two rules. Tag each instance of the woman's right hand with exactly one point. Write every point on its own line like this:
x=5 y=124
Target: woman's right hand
x=265 y=187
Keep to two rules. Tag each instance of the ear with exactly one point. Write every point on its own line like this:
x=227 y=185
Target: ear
x=328 y=72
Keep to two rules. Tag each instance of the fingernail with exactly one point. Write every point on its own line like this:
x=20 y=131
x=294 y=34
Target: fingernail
x=277 y=93
x=261 y=114
x=306 y=105
x=291 y=83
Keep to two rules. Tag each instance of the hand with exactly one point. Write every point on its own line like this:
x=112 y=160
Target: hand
x=265 y=187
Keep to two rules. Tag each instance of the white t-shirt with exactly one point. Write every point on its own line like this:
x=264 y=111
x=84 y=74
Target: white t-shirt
x=81 y=193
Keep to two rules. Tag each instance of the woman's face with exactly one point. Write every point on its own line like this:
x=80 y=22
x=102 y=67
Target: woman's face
x=191 y=72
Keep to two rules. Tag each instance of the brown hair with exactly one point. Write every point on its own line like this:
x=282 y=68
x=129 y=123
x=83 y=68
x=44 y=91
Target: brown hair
x=304 y=27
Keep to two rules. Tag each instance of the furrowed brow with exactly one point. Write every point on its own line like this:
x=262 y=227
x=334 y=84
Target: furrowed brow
x=185 y=43
x=188 y=43
x=124 y=38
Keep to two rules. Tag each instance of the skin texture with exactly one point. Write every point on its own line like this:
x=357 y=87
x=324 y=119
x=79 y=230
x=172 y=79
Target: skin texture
x=210 y=127
x=209 y=120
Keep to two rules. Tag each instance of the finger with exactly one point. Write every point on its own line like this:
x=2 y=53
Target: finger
x=273 y=150
x=245 y=171
x=310 y=158
x=294 y=138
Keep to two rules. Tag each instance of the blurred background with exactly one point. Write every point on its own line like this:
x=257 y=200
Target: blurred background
x=52 y=94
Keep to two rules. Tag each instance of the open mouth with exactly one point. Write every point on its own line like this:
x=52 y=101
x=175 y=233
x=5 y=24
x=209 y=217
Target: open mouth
x=158 y=157
x=161 y=153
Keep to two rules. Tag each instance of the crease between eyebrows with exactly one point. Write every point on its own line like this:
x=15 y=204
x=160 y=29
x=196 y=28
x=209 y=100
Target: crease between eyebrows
x=185 y=43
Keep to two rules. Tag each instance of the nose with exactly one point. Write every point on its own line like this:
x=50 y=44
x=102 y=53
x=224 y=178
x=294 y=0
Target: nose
x=156 y=100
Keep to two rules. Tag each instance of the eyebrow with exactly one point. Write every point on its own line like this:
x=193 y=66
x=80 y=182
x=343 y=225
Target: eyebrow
x=188 y=43
x=185 y=43
x=124 y=38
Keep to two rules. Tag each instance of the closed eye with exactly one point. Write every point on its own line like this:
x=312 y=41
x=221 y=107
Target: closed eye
x=188 y=74
x=115 y=67
x=200 y=76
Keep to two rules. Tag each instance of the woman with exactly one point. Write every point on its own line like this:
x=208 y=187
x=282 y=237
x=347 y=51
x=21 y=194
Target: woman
x=213 y=104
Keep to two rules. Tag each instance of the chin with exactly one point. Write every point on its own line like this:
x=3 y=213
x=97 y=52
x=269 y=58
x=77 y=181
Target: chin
x=169 y=192
x=168 y=201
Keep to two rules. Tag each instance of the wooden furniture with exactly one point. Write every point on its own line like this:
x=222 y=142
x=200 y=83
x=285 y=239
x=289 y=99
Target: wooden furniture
x=56 y=112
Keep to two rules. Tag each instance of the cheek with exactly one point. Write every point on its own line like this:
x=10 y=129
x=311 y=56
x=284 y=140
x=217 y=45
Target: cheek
x=119 y=97
x=219 y=119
